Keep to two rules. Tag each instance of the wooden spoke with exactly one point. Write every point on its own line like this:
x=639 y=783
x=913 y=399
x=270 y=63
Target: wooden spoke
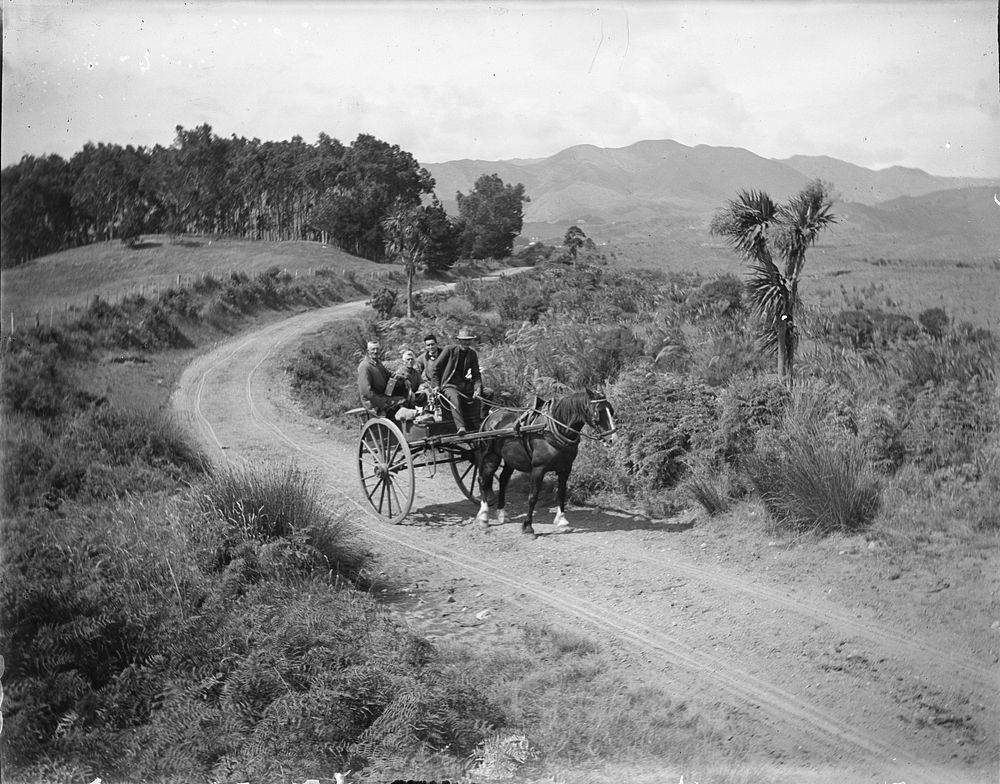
x=385 y=469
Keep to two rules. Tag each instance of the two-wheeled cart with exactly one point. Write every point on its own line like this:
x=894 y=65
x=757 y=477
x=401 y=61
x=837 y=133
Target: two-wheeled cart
x=389 y=453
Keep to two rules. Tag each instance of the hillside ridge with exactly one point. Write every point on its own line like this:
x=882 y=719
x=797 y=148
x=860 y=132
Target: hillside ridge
x=652 y=186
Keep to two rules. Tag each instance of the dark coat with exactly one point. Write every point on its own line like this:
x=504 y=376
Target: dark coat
x=404 y=381
x=372 y=380
x=457 y=367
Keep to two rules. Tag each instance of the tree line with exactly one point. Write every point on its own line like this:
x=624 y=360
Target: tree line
x=244 y=188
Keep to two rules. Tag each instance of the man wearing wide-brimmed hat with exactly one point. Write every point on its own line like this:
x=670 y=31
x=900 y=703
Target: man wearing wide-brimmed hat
x=456 y=372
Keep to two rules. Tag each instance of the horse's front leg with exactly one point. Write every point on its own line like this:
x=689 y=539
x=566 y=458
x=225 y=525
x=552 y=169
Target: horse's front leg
x=537 y=474
x=489 y=462
x=560 y=518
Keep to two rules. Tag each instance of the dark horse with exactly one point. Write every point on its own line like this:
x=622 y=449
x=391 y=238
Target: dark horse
x=538 y=452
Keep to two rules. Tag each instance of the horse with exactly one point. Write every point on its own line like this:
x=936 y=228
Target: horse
x=538 y=452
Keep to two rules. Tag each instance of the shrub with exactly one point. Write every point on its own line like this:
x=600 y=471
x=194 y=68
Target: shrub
x=135 y=323
x=934 y=322
x=35 y=382
x=86 y=606
x=748 y=405
x=534 y=253
x=863 y=329
x=968 y=356
x=329 y=682
x=324 y=370
x=811 y=482
x=718 y=298
x=259 y=506
x=124 y=436
x=709 y=489
x=947 y=423
x=881 y=431
x=573 y=355
x=263 y=504
x=594 y=473
x=383 y=301
x=661 y=419
x=719 y=356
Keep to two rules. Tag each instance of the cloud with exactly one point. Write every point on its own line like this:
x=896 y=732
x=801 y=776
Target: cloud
x=524 y=80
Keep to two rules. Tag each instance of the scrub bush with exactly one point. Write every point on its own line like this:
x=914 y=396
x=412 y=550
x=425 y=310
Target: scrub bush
x=661 y=419
x=810 y=481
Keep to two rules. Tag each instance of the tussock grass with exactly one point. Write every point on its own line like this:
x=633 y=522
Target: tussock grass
x=150 y=435
x=260 y=505
x=809 y=482
x=708 y=490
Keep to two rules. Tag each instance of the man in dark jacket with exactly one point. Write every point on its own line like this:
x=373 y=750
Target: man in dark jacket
x=373 y=377
x=426 y=357
x=456 y=372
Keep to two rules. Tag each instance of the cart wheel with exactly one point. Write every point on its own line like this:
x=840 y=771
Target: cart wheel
x=466 y=473
x=385 y=467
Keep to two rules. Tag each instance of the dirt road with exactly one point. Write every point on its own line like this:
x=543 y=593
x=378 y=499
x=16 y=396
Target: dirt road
x=827 y=680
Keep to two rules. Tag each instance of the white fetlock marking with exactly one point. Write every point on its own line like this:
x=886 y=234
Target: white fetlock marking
x=560 y=519
x=484 y=513
x=501 y=517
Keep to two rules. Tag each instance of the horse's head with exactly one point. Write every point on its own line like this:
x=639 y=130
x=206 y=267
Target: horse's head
x=601 y=415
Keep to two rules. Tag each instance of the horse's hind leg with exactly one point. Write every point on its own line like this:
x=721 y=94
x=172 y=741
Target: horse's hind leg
x=505 y=475
x=560 y=518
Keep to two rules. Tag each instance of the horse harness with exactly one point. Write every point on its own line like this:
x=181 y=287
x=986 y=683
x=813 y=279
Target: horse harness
x=560 y=433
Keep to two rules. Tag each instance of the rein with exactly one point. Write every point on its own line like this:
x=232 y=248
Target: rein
x=571 y=438
x=554 y=423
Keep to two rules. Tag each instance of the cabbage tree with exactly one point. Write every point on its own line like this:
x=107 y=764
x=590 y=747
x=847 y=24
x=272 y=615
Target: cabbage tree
x=773 y=240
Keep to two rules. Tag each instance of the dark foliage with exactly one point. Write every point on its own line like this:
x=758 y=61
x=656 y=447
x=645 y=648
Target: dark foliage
x=721 y=297
x=383 y=301
x=491 y=216
x=863 y=329
x=204 y=183
x=662 y=418
x=934 y=322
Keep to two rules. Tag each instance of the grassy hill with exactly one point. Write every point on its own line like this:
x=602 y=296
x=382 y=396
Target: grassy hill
x=865 y=186
x=51 y=285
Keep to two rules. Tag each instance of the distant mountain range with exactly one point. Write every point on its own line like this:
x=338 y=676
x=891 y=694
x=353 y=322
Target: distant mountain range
x=666 y=189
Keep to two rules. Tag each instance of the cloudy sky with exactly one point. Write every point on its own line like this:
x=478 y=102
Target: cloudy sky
x=877 y=84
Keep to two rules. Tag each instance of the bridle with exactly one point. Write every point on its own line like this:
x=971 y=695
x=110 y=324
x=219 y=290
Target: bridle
x=594 y=420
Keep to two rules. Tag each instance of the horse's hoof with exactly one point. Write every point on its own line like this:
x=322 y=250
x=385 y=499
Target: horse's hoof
x=528 y=531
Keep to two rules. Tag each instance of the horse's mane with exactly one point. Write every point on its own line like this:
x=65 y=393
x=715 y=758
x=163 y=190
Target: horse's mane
x=572 y=408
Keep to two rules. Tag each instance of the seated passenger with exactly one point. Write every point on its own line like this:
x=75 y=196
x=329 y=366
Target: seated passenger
x=407 y=379
x=456 y=373
x=373 y=377
x=430 y=353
